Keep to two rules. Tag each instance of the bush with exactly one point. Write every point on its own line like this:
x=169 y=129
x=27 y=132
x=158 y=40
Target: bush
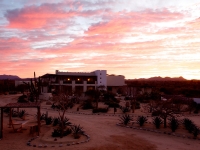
x=157 y=121
x=21 y=113
x=103 y=110
x=87 y=105
x=56 y=121
x=57 y=132
x=125 y=109
x=65 y=122
x=187 y=123
x=77 y=131
x=195 y=131
x=55 y=106
x=173 y=123
x=15 y=114
x=156 y=113
x=48 y=120
x=125 y=119
x=137 y=106
x=6 y=110
x=112 y=104
x=22 y=99
x=141 y=120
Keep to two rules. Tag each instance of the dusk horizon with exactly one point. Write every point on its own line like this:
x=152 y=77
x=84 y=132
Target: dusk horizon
x=137 y=39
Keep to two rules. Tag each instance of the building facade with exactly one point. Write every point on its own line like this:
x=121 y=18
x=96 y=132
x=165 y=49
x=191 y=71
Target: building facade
x=79 y=82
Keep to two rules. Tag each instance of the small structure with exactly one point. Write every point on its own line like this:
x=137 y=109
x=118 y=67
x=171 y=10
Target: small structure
x=19 y=105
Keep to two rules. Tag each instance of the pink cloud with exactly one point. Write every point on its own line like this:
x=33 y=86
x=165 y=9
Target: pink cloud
x=124 y=22
x=13 y=46
x=35 y=17
x=32 y=17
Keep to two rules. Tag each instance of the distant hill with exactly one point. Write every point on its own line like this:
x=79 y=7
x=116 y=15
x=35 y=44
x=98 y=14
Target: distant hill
x=11 y=77
x=161 y=79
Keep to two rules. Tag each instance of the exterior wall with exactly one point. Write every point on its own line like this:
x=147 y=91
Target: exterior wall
x=113 y=80
x=101 y=77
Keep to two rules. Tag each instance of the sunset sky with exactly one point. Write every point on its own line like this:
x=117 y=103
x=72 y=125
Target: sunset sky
x=134 y=38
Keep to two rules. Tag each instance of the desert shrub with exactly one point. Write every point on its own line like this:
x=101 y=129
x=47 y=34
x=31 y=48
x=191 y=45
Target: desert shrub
x=54 y=106
x=156 y=113
x=87 y=104
x=14 y=113
x=56 y=121
x=141 y=120
x=173 y=123
x=42 y=117
x=157 y=121
x=48 y=120
x=66 y=122
x=195 y=131
x=125 y=109
x=77 y=130
x=6 y=110
x=22 y=99
x=125 y=119
x=57 y=132
x=112 y=104
x=103 y=110
x=191 y=128
x=21 y=113
x=137 y=105
x=187 y=123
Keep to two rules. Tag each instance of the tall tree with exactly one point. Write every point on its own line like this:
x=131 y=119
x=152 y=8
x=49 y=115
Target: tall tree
x=64 y=102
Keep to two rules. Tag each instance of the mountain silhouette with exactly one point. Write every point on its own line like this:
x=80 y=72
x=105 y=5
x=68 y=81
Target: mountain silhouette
x=10 y=77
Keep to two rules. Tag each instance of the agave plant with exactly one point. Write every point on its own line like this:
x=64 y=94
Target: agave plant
x=77 y=131
x=125 y=109
x=173 y=123
x=141 y=120
x=125 y=119
x=65 y=122
x=157 y=121
x=57 y=132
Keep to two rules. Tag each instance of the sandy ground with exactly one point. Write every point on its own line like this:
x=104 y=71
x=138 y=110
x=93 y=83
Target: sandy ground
x=102 y=129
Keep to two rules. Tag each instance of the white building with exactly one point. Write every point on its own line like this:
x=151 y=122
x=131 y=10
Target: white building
x=79 y=81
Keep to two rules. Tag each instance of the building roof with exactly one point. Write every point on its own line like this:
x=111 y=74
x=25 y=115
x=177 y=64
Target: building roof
x=70 y=74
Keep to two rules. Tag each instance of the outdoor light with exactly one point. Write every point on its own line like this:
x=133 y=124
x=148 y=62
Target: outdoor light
x=88 y=79
x=78 y=79
x=68 y=79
